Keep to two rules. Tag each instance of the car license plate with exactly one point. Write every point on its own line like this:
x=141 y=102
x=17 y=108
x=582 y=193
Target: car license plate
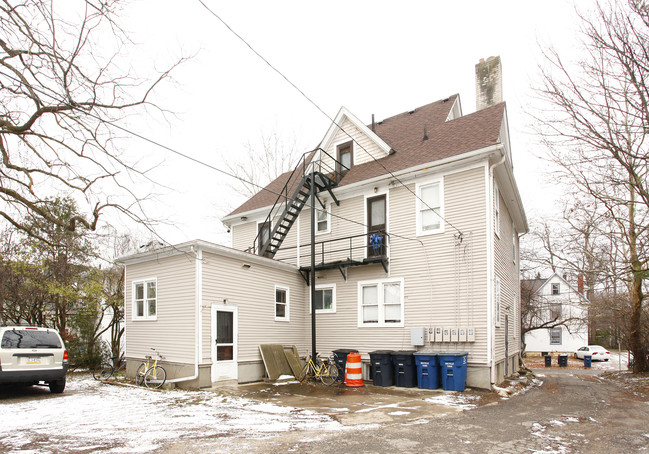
x=34 y=360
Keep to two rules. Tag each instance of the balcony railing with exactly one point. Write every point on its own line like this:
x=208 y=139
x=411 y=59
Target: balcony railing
x=363 y=249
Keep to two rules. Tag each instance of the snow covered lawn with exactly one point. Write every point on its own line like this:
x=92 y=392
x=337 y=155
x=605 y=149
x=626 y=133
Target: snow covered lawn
x=92 y=416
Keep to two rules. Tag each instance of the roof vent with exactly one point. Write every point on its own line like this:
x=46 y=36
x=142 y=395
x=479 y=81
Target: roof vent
x=425 y=133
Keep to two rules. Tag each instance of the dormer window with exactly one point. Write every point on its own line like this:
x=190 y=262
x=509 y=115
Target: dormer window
x=345 y=158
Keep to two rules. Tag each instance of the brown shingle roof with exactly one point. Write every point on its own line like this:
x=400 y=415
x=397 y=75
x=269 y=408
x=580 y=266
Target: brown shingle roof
x=405 y=134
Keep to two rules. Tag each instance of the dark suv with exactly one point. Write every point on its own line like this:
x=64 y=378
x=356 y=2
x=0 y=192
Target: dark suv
x=31 y=355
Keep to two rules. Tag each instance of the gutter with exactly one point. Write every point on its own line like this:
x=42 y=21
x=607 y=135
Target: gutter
x=491 y=265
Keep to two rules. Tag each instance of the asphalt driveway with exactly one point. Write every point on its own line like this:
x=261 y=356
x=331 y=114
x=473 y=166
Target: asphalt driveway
x=573 y=411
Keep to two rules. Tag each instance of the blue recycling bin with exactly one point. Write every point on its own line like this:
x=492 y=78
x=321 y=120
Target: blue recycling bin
x=588 y=361
x=381 y=367
x=427 y=370
x=405 y=375
x=453 y=370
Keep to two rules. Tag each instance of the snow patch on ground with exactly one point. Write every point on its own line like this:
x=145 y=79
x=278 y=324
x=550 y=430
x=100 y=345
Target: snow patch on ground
x=399 y=413
x=463 y=402
x=94 y=416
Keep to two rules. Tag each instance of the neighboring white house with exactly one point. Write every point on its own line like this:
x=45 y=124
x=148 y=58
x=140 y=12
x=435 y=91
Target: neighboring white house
x=417 y=222
x=557 y=302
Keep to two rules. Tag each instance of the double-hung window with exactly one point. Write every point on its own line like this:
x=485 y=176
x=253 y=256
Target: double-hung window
x=556 y=289
x=145 y=300
x=325 y=298
x=345 y=156
x=430 y=207
x=281 y=303
x=380 y=303
x=555 y=336
x=323 y=220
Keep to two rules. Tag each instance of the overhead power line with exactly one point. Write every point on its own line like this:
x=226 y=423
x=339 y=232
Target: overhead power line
x=243 y=40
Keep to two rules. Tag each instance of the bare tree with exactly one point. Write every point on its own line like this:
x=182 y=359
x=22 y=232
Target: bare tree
x=64 y=92
x=596 y=127
x=262 y=162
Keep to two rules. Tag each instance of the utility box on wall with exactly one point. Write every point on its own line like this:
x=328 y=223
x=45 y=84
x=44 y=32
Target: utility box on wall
x=417 y=336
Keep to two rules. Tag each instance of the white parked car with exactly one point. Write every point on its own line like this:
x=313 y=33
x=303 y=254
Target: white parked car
x=597 y=353
x=31 y=355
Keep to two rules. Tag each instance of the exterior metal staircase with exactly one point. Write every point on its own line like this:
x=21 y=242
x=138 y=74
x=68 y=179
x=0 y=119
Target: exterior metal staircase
x=325 y=177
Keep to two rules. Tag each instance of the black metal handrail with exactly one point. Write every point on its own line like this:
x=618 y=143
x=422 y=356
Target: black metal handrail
x=379 y=249
x=283 y=195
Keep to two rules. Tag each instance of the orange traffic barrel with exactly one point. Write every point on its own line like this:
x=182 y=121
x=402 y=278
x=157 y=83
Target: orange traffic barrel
x=353 y=370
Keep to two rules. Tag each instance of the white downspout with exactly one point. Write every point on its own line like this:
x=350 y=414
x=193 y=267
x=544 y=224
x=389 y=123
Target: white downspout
x=491 y=337
x=198 y=317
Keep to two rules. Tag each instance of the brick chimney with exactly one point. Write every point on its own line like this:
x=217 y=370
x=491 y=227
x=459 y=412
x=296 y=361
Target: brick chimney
x=580 y=283
x=488 y=82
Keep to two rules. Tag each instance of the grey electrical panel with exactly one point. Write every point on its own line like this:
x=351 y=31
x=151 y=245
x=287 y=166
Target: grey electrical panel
x=417 y=336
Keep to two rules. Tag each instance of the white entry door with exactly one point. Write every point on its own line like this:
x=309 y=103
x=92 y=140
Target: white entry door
x=224 y=343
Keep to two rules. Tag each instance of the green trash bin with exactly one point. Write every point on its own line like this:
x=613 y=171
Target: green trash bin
x=548 y=360
x=563 y=360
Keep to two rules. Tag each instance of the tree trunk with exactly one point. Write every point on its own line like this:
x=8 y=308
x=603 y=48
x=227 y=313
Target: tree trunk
x=637 y=347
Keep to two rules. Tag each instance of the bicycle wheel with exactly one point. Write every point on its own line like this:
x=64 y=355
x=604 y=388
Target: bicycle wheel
x=139 y=375
x=97 y=373
x=155 y=377
x=106 y=372
x=330 y=376
x=304 y=374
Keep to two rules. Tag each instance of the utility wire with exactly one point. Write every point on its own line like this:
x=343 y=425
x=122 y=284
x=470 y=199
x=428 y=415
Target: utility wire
x=324 y=113
x=183 y=155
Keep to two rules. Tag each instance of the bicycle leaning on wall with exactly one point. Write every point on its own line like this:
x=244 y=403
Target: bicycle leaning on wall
x=149 y=373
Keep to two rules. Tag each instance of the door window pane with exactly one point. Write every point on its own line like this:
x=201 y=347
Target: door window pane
x=377 y=207
x=224 y=327
x=224 y=353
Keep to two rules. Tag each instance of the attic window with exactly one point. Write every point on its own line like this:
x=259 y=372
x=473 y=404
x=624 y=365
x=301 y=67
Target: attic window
x=345 y=158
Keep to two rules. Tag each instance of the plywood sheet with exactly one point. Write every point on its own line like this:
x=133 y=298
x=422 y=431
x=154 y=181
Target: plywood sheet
x=293 y=359
x=275 y=361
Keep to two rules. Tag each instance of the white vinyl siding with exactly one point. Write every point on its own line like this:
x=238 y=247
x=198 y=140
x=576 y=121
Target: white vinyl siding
x=175 y=309
x=252 y=290
x=497 y=301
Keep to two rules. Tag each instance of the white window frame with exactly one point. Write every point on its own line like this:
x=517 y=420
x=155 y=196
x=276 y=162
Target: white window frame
x=381 y=306
x=497 y=301
x=317 y=222
x=145 y=300
x=560 y=331
x=287 y=316
x=331 y=287
x=496 y=210
x=421 y=207
x=558 y=286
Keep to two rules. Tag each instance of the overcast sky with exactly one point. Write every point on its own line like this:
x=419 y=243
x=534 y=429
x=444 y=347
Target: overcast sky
x=373 y=57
